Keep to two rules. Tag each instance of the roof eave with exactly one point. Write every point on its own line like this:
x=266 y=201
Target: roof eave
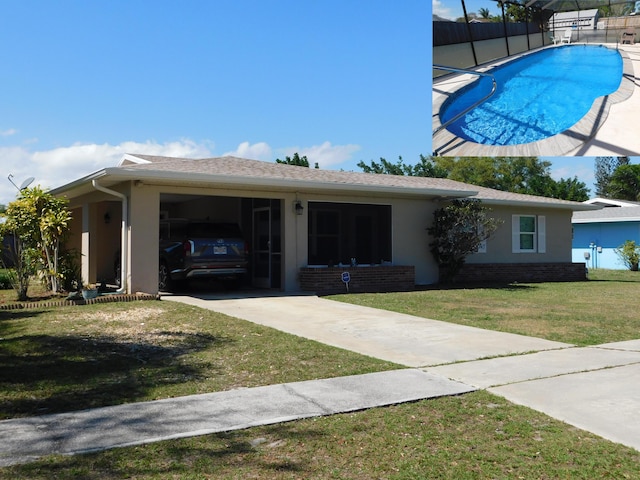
x=605 y=220
x=120 y=174
x=573 y=206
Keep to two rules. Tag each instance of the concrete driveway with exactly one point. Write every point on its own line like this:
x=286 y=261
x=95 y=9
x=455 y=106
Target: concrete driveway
x=593 y=388
x=399 y=338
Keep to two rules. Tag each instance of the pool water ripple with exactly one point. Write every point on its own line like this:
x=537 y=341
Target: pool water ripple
x=538 y=95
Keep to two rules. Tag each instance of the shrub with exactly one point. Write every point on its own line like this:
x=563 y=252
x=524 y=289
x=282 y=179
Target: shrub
x=5 y=280
x=629 y=253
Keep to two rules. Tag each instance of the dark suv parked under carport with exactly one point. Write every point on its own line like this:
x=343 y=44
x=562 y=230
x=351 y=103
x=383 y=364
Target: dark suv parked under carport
x=199 y=249
x=192 y=249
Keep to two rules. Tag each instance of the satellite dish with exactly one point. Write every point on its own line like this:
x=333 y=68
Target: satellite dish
x=26 y=183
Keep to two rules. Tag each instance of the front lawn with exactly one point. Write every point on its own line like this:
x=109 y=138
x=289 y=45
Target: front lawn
x=70 y=358
x=601 y=310
x=469 y=437
x=61 y=359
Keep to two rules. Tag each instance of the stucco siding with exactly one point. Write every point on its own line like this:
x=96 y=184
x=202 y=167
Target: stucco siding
x=144 y=226
x=500 y=245
x=411 y=240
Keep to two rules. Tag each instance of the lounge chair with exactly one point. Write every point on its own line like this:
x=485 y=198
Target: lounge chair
x=628 y=36
x=554 y=39
x=566 y=36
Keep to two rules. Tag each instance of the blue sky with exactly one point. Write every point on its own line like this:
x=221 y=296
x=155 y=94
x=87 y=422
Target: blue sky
x=452 y=9
x=83 y=82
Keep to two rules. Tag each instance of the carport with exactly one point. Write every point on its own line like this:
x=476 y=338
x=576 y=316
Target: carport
x=107 y=239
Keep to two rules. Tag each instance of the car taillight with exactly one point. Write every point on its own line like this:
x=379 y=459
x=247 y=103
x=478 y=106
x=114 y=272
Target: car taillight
x=187 y=248
x=246 y=249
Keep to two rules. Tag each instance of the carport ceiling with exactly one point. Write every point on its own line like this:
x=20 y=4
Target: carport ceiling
x=571 y=5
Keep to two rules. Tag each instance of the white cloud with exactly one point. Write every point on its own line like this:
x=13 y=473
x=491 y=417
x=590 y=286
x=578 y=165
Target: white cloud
x=53 y=168
x=8 y=133
x=441 y=10
x=56 y=167
x=326 y=155
x=257 y=151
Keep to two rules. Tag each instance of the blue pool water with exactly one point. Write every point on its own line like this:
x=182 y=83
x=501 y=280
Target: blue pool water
x=538 y=95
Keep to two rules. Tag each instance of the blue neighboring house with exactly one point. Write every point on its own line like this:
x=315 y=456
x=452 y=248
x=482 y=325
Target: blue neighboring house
x=597 y=233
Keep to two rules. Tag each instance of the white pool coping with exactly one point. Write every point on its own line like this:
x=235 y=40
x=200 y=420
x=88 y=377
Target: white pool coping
x=610 y=127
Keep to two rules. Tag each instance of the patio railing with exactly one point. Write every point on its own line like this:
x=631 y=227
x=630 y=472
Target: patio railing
x=494 y=86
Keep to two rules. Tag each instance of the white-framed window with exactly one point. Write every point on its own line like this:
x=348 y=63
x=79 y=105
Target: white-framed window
x=528 y=234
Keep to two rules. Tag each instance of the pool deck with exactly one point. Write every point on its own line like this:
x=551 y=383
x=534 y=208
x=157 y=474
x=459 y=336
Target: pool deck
x=610 y=127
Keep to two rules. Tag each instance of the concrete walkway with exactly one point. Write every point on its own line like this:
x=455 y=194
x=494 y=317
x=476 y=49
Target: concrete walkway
x=25 y=440
x=593 y=388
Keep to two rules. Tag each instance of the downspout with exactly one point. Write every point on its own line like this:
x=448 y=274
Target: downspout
x=124 y=242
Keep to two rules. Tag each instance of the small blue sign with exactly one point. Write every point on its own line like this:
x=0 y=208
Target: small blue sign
x=346 y=277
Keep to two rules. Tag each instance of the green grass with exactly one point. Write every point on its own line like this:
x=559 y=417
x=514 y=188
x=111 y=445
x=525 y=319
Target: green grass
x=70 y=358
x=474 y=436
x=601 y=310
x=62 y=359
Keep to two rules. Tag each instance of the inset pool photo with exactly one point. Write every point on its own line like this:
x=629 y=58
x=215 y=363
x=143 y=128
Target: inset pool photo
x=537 y=78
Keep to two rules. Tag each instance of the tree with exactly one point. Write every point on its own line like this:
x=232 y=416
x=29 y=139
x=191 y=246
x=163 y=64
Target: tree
x=527 y=175
x=570 y=189
x=624 y=184
x=457 y=231
x=629 y=253
x=425 y=168
x=386 y=167
x=484 y=13
x=517 y=13
x=296 y=160
x=509 y=174
x=38 y=222
x=603 y=170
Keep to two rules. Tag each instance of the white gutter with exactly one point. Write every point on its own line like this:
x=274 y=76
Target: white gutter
x=124 y=242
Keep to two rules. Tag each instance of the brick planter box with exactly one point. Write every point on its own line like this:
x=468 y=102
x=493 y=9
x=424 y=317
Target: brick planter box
x=522 y=272
x=375 y=279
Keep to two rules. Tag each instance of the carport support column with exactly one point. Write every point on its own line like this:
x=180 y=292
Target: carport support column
x=89 y=243
x=144 y=228
x=295 y=241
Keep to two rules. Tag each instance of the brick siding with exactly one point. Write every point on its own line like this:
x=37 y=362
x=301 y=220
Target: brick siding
x=324 y=281
x=522 y=272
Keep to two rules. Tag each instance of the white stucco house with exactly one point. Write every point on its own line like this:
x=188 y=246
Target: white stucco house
x=303 y=224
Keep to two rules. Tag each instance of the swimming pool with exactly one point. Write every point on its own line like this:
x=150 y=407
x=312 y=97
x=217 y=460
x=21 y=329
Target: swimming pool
x=538 y=96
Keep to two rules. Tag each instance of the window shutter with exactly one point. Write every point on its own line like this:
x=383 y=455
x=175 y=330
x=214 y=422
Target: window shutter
x=515 y=233
x=542 y=234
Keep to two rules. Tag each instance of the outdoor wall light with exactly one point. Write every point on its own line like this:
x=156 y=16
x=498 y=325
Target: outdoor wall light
x=107 y=218
x=297 y=207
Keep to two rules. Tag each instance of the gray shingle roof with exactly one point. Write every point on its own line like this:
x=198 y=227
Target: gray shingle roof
x=608 y=214
x=234 y=166
x=255 y=169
